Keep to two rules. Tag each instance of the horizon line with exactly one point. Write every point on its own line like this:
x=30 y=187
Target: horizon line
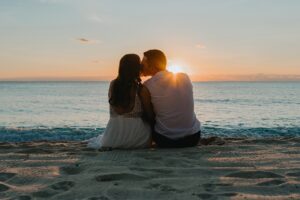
x=107 y=81
x=194 y=78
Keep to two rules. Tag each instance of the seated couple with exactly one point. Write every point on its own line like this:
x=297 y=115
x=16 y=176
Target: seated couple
x=161 y=110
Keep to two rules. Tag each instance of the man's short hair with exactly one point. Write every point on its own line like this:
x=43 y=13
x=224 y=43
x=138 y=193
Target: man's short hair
x=156 y=58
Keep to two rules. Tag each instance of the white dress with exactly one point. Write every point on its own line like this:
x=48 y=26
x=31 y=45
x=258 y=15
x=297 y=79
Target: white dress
x=126 y=131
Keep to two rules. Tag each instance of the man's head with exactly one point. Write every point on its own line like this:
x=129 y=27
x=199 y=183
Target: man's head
x=154 y=61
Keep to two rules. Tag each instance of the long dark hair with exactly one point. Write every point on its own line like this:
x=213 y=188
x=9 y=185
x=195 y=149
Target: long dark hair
x=128 y=77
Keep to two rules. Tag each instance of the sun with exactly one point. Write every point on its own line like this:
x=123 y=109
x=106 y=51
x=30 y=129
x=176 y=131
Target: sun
x=175 y=69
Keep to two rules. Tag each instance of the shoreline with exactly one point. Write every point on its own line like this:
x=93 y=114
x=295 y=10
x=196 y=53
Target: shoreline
x=243 y=168
x=71 y=134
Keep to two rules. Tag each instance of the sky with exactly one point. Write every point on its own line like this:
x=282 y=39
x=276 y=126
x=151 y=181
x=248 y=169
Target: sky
x=211 y=40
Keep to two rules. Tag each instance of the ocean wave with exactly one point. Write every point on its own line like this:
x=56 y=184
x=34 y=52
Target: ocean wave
x=256 y=132
x=79 y=134
x=48 y=134
x=247 y=101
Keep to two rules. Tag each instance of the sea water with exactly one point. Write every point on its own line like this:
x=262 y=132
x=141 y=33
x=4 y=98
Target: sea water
x=32 y=111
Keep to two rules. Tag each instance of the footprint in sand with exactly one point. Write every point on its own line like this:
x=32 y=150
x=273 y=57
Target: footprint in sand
x=157 y=170
x=295 y=174
x=54 y=189
x=254 y=174
x=98 y=198
x=22 y=197
x=44 y=194
x=271 y=183
x=211 y=196
x=167 y=188
x=163 y=188
x=3 y=188
x=153 y=186
x=120 y=176
x=204 y=195
x=71 y=170
x=211 y=186
x=5 y=176
x=228 y=194
x=64 y=185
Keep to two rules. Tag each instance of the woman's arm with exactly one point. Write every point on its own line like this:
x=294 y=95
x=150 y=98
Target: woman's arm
x=147 y=105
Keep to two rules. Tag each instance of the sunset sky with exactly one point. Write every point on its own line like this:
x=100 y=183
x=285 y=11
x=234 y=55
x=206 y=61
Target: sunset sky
x=208 y=39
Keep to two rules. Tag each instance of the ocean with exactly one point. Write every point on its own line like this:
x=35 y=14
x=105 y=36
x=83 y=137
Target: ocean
x=31 y=111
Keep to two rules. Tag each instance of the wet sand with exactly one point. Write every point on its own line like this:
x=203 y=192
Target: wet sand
x=240 y=169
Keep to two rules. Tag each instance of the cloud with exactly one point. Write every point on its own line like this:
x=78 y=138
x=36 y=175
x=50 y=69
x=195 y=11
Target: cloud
x=95 y=18
x=87 y=41
x=200 y=46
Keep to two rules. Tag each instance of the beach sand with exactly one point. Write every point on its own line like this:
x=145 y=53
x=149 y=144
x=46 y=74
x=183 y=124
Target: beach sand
x=240 y=169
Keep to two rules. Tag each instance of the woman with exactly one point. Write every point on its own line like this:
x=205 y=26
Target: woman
x=131 y=113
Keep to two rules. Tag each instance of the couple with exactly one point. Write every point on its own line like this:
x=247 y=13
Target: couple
x=161 y=110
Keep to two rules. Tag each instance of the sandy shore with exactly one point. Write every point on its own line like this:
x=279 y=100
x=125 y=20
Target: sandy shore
x=240 y=169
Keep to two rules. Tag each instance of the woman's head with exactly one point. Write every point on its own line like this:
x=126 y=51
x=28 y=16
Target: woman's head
x=128 y=78
x=130 y=68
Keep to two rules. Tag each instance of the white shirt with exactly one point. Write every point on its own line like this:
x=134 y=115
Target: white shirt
x=173 y=103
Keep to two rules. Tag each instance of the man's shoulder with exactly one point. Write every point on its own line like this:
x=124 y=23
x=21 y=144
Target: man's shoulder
x=148 y=82
x=184 y=78
x=183 y=75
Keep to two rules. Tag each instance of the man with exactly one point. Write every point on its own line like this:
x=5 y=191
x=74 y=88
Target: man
x=171 y=94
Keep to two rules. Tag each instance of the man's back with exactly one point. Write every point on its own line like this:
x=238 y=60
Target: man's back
x=172 y=99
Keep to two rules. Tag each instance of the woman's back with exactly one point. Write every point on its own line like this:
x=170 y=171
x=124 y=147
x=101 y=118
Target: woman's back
x=134 y=108
x=125 y=128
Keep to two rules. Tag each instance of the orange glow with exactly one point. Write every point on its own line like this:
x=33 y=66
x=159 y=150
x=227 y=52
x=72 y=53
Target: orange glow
x=93 y=69
x=175 y=69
